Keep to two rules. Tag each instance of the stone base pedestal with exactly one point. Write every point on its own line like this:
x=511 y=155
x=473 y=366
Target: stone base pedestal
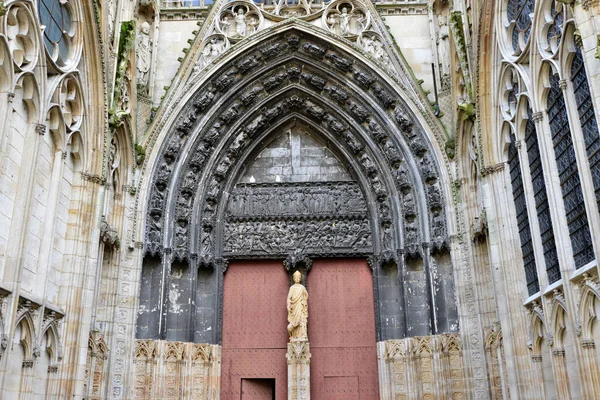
x=298 y=359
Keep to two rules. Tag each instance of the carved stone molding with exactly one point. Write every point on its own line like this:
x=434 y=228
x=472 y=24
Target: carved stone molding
x=109 y=235
x=298 y=353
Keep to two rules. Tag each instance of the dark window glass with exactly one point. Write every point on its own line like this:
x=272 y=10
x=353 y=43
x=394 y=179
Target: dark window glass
x=589 y=125
x=533 y=285
x=541 y=200
x=56 y=18
x=579 y=230
x=519 y=12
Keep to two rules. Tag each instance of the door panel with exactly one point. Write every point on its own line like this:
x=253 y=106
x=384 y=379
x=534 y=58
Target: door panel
x=341 y=330
x=254 y=326
x=258 y=389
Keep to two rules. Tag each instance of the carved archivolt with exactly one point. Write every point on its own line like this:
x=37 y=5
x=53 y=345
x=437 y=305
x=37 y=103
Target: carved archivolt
x=294 y=77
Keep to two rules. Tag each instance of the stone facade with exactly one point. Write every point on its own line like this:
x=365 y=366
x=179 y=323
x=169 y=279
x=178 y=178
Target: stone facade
x=145 y=145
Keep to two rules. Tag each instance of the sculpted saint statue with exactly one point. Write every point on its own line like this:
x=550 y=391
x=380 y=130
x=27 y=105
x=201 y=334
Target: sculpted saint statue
x=297 y=308
x=240 y=22
x=144 y=53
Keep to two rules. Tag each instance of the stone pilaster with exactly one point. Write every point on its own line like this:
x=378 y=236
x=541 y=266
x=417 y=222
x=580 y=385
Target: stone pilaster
x=298 y=358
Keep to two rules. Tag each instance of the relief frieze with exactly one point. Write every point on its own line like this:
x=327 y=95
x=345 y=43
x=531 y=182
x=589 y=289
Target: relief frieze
x=278 y=237
x=306 y=199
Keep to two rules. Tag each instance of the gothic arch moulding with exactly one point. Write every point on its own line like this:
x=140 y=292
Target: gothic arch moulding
x=296 y=76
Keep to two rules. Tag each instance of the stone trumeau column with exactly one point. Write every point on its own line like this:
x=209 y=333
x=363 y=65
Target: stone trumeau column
x=298 y=358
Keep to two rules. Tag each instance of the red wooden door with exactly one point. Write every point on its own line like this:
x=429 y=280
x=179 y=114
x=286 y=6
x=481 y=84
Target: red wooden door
x=254 y=326
x=341 y=331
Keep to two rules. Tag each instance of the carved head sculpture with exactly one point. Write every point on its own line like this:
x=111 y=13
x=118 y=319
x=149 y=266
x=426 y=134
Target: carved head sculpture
x=297 y=277
x=145 y=28
x=441 y=20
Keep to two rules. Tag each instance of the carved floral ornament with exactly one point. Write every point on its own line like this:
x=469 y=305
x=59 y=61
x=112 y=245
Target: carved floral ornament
x=289 y=88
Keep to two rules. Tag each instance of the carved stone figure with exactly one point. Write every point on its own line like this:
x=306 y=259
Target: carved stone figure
x=345 y=22
x=443 y=43
x=297 y=308
x=240 y=22
x=144 y=54
x=211 y=50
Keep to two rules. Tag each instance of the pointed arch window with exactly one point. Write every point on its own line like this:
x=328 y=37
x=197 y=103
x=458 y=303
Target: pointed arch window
x=589 y=125
x=533 y=285
x=570 y=183
x=541 y=200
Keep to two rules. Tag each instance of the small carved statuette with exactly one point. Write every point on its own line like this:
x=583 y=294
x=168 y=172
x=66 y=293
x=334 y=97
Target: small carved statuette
x=144 y=54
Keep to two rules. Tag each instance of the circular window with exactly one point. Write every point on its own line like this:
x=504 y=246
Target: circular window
x=56 y=17
x=518 y=14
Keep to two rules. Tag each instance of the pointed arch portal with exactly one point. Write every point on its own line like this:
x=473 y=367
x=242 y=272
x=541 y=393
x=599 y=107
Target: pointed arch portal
x=295 y=152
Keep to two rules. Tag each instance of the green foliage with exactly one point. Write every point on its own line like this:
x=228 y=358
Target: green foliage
x=140 y=154
x=451 y=147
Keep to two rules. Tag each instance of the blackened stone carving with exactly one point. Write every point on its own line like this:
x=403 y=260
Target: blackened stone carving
x=315 y=200
x=376 y=131
x=314 y=50
x=392 y=153
x=294 y=72
x=181 y=240
x=274 y=81
x=277 y=237
x=341 y=63
x=314 y=80
x=428 y=169
x=164 y=173
x=338 y=94
x=384 y=97
x=204 y=101
x=249 y=97
x=184 y=205
x=223 y=168
x=213 y=133
x=379 y=189
x=225 y=81
x=297 y=260
x=173 y=150
x=412 y=243
x=186 y=125
x=358 y=111
x=154 y=235
x=230 y=114
x=313 y=110
x=417 y=143
x=273 y=49
x=200 y=155
x=434 y=197
x=356 y=146
x=402 y=177
x=364 y=79
x=190 y=179
x=439 y=235
x=409 y=207
x=238 y=143
x=293 y=41
x=248 y=64
x=368 y=165
x=403 y=121
x=333 y=124
x=156 y=203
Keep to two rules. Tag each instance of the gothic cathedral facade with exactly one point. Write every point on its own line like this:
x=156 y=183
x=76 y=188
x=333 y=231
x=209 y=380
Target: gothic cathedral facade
x=426 y=173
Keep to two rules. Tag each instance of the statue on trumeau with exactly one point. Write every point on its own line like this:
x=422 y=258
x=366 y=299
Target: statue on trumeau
x=297 y=308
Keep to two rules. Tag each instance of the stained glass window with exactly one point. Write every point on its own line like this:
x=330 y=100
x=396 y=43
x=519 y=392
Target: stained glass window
x=56 y=18
x=533 y=285
x=589 y=125
x=541 y=200
x=519 y=13
x=579 y=230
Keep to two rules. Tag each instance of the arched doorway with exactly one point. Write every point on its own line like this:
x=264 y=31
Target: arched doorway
x=295 y=195
x=296 y=150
